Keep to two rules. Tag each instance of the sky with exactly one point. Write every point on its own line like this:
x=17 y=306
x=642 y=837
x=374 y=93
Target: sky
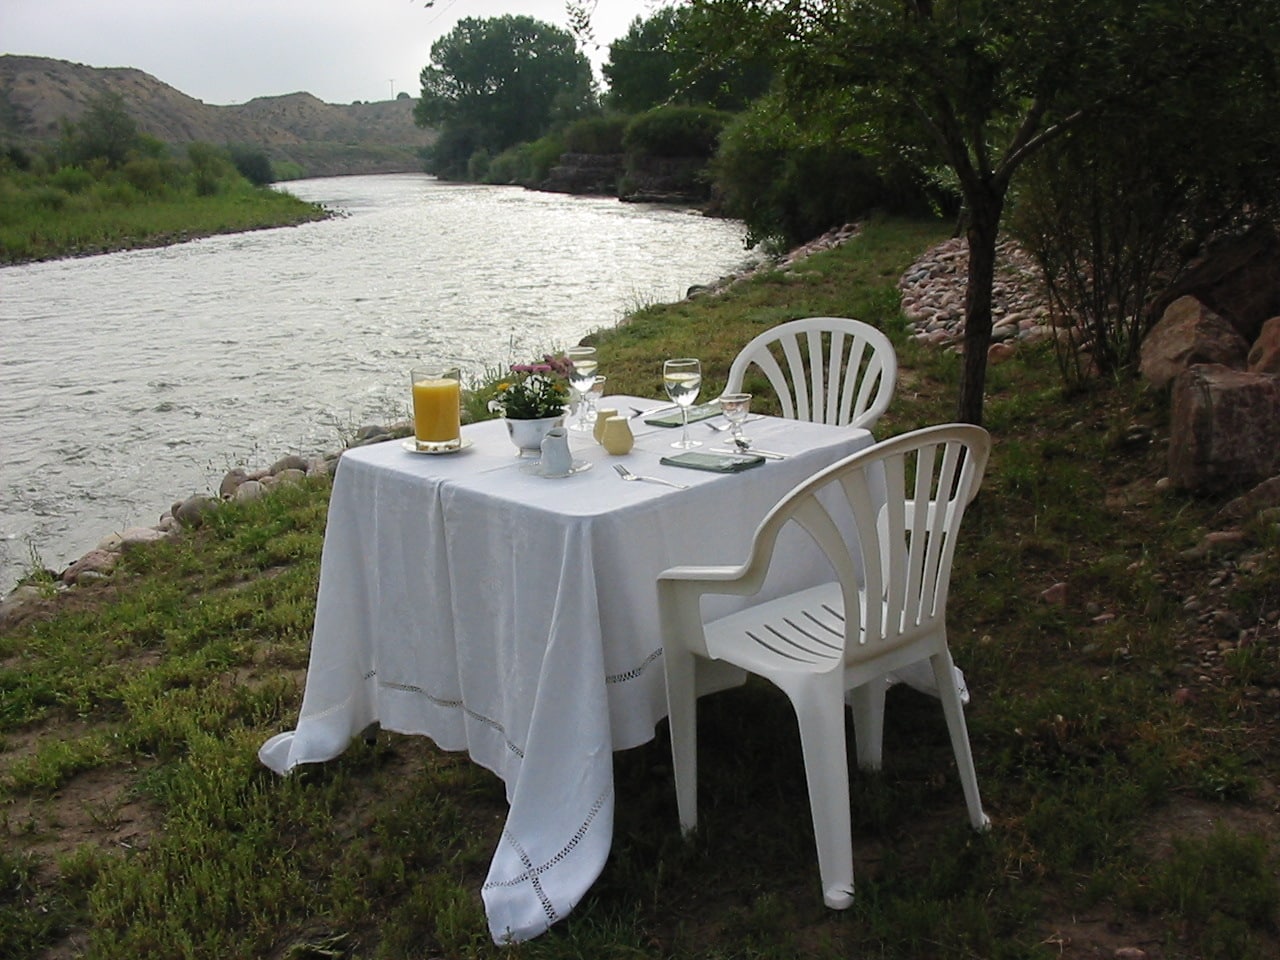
x=230 y=51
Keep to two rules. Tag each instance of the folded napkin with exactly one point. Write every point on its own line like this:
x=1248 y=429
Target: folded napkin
x=703 y=411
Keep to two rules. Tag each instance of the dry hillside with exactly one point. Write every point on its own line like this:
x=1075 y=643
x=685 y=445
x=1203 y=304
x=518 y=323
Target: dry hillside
x=37 y=93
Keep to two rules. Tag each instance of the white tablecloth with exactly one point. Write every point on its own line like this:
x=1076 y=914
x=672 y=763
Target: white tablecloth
x=515 y=617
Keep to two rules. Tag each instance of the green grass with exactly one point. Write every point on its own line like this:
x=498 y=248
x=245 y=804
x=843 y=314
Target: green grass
x=139 y=823
x=38 y=223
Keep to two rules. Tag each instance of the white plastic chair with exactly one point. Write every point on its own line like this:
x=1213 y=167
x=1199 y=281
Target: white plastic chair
x=845 y=635
x=837 y=370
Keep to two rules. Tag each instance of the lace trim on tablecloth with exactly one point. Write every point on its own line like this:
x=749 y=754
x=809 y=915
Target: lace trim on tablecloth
x=453 y=705
x=635 y=672
x=533 y=872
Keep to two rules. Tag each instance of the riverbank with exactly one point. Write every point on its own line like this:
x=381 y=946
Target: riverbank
x=47 y=226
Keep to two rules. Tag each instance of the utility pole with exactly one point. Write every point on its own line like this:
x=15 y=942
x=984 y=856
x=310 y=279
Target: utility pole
x=393 y=88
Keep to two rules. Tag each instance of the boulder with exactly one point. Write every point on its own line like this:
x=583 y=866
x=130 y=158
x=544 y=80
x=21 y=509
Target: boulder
x=1238 y=278
x=1225 y=428
x=1264 y=496
x=231 y=482
x=1189 y=333
x=291 y=462
x=1264 y=355
x=191 y=511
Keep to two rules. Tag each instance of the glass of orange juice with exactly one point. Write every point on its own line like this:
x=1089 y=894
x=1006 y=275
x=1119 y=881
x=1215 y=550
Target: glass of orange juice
x=437 y=400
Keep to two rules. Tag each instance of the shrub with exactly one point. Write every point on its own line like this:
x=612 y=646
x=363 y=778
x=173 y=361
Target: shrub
x=149 y=175
x=790 y=183
x=675 y=131
x=72 y=179
x=254 y=164
x=596 y=135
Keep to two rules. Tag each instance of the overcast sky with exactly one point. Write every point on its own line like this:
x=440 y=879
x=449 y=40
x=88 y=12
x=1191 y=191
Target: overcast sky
x=230 y=51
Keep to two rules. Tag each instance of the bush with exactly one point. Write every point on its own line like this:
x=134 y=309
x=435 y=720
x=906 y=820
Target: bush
x=149 y=175
x=596 y=135
x=675 y=132
x=72 y=179
x=527 y=164
x=789 y=184
x=254 y=164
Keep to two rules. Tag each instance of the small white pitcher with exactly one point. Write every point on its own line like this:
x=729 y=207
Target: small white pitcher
x=556 y=458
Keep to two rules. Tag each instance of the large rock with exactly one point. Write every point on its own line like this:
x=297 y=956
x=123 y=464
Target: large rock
x=1238 y=278
x=1264 y=355
x=1189 y=333
x=1225 y=428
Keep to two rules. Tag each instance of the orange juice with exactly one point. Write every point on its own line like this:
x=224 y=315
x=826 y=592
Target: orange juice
x=435 y=410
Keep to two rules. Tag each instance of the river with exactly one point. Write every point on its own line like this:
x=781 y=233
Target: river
x=131 y=380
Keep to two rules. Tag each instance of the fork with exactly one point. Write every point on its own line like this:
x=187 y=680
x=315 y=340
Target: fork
x=626 y=474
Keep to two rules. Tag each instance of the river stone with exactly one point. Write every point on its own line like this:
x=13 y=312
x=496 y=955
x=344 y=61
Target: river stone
x=190 y=512
x=292 y=475
x=135 y=537
x=291 y=462
x=250 y=490
x=231 y=482
x=94 y=562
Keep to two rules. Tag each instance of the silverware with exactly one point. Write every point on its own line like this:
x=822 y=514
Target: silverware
x=626 y=474
x=742 y=445
x=637 y=412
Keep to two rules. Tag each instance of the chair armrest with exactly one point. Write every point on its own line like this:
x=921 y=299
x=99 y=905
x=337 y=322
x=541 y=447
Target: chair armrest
x=700 y=573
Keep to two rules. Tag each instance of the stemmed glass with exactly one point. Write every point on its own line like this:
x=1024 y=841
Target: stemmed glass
x=682 y=379
x=735 y=407
x=582 y=377
x=593 y=399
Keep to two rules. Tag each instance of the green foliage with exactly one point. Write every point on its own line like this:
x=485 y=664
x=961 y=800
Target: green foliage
x=527 y=164
x=1115 y=209
x=253 y=163
x=596 y=134
x=790 y=183
x=661 y=60
x=51 y=210
x=675 y=132
x=497 y=82
x=105 y=132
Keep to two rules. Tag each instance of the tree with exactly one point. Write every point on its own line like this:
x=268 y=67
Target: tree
x=105 y=132
x=497 y=82
x=978 y=87
x=659 y=62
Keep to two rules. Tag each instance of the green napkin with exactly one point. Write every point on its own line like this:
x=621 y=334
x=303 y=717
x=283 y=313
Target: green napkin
x=703 y=411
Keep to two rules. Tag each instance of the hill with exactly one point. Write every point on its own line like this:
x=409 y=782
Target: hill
x=37 y=93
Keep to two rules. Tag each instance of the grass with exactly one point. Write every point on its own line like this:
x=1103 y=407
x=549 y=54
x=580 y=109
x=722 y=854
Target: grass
x=41 y=223
x=1126 y=756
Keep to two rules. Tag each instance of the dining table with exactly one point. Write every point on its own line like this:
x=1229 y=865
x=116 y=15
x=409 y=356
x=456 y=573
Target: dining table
x=468 y=598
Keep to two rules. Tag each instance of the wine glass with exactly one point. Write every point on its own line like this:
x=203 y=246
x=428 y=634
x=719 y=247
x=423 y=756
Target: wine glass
x=735 y=407
x=593 y=399
x=682 y=379
x=582 y=377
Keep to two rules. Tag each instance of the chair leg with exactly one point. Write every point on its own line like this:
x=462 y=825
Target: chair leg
x=949 y=693
x=681 y=672
x=822 y=740
x=867 y=703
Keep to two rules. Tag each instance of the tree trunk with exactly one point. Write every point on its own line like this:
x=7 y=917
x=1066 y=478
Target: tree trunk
x=982 y=230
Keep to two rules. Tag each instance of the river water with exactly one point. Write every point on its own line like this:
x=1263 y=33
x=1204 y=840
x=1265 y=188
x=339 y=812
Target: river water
x=131 y=380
